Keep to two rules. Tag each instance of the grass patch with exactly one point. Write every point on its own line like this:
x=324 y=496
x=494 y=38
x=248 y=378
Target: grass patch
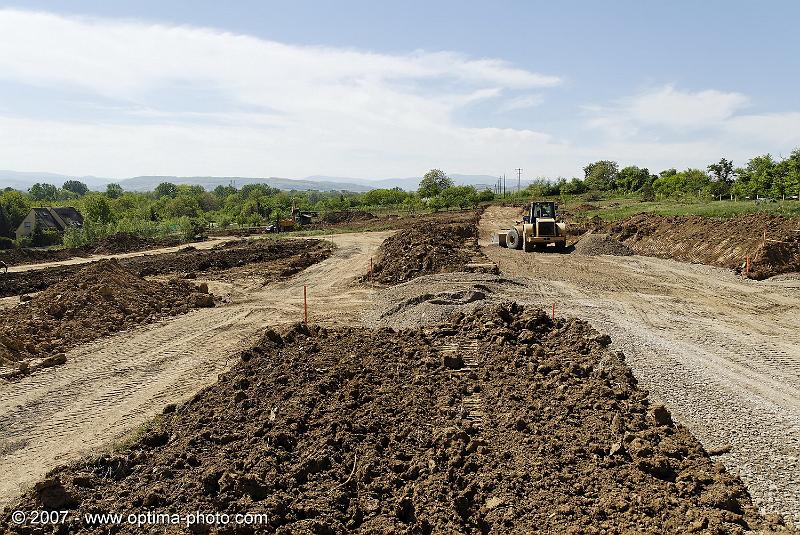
x=723 y=209
x=133 y=436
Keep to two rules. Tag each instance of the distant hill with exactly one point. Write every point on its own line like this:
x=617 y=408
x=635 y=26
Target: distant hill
x=147 y=183
x=24 y=180
x=411 y=183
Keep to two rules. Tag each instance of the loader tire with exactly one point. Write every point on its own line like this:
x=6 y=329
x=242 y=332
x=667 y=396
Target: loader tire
x=513 y=239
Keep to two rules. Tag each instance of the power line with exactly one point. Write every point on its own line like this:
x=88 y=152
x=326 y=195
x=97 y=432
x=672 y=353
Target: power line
x=519 y=179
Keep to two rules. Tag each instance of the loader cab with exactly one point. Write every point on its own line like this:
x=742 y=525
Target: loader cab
x=540 y=210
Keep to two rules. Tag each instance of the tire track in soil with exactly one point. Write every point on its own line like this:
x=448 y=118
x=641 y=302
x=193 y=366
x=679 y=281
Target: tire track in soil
x=112 y=385
x=722 y=353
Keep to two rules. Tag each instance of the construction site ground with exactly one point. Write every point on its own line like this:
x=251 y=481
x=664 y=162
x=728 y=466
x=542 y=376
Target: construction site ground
x=109 y=387
x=722 y=353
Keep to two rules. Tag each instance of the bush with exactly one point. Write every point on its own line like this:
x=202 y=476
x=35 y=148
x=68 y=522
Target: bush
x=7 y=243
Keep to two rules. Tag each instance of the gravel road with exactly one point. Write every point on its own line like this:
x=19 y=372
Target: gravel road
x=721 y=352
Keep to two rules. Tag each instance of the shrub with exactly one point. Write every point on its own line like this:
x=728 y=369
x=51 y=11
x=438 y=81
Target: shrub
x=7 y=243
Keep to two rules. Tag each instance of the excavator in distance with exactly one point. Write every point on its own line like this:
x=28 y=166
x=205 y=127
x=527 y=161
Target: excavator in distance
x=540 y=227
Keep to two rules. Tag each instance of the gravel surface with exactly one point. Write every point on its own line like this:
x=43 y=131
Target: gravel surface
x=721 y=352
x=592 y=244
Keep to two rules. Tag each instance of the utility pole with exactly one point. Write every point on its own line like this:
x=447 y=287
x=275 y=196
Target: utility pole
x=519 y=179
x=504 y=185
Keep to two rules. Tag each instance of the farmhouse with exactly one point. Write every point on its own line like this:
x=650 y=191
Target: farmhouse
x=58 y=219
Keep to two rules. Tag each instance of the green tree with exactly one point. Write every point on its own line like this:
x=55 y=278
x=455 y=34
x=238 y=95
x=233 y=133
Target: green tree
x=17 y=206
x=97 y=209
x=458 y=196
x=114 y=191
x=78 y=188
x=5 y=225
x=722 y=172
x=632 y=178
x=690 y=182
x=433 y=183
x=166 y=189
x=755 y=178
x=648 y=194
x=601 y=175
x=43 y=192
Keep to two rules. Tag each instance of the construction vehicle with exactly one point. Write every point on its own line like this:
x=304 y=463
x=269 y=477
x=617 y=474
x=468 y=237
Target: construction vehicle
x=539 y=228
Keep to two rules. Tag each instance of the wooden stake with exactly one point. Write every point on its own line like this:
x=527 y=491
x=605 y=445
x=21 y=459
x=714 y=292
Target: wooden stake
x=305 y=305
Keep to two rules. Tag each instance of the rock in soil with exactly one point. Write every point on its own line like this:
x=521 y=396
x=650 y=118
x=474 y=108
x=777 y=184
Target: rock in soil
x=366 y=431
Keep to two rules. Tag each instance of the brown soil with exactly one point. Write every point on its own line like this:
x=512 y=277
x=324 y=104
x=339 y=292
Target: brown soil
x=584 y=208
x=592 y=244
x=275 y=259
x=118 y=243
x=528 y=425
x=98 y=300
x=771 y=242
x=346 y=216
x=425 y=249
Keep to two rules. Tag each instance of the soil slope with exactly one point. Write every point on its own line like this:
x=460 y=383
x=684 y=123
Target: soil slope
x=771 y=242
x=98 y=300
x=501 y=421
x=425 y=249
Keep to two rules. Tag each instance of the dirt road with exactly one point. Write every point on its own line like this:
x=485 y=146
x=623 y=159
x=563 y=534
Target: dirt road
x=721 y=352
x=108 y=388
x=208 y=244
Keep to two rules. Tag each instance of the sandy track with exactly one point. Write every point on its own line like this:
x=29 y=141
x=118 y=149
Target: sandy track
x=722 y=353
x=207 y=244
x=113 y=385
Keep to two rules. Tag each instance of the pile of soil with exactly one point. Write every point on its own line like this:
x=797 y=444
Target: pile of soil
x=122 y=242
x=370 y=431
x=771 y=242
x=101 y=299
x=125 y=242
x=424 y=250
x=584 y=207
x=593 y=244
x=346 y=216
x=270 y=258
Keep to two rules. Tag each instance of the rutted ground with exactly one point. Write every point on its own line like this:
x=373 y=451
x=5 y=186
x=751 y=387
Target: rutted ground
x=109 y=387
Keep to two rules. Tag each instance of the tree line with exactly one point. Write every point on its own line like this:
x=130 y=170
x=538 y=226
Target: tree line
x=761 y=176
x=172 y=208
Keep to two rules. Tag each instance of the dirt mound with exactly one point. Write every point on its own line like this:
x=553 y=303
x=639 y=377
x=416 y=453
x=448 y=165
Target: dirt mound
x=270 y=259
x=373 y=431
x=355 y=430
x=771 y=242
x=122 y=242
x=584 y=207
x=125 y=242
x=346 y=216
x=98 y=300
x=592 y=244
x=18 y=257
x=425 y=250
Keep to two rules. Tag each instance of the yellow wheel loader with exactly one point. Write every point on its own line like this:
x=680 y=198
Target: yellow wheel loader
x=539 y=228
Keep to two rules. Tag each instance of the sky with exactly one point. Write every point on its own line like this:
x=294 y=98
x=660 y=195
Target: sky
x=369 y=89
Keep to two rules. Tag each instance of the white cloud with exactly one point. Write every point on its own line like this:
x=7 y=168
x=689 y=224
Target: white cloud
x=281 y=109
x=521 y=103
x=682 y=109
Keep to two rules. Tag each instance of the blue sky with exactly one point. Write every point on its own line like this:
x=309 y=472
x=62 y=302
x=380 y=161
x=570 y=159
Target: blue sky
x=380 y=89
